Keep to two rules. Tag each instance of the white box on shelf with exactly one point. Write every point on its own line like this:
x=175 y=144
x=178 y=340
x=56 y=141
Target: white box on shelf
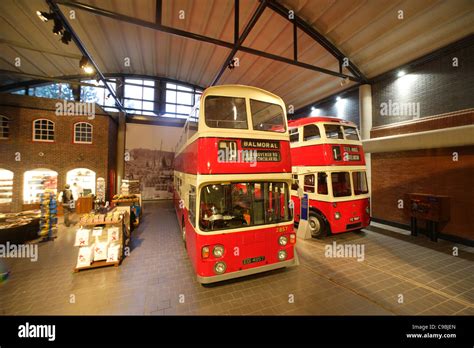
x=84 y=258
x=97 y=231
x=82 y=237
x=113 y=234
x=113 y=252
x=100 y=251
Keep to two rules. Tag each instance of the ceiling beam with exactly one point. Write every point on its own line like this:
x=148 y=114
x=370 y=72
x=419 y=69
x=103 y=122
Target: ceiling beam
x=248 y=28
x=315 y=35
x=55 y=9
x=152 y=25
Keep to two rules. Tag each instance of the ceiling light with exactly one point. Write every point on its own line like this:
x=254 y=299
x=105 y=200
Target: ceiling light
x=67 y=37
x=86 y=66
x=401 y=73
x=58 y=27
x=44 y=16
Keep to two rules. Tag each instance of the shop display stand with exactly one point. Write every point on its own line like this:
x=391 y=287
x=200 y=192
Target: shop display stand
x=48 y=219
x=130 y=202
x=104 y=263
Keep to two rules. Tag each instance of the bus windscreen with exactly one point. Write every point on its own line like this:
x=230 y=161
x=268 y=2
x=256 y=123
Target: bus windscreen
x=267 y=116
x=225 y=112
x=243 y=204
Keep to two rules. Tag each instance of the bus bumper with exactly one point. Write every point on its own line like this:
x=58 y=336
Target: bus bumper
x=221 y=277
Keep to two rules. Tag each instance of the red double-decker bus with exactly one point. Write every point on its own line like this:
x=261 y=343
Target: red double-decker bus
x=232 y=177
x=329 y=167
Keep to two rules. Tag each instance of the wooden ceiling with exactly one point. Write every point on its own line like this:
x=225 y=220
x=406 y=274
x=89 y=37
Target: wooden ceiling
x=369 y=32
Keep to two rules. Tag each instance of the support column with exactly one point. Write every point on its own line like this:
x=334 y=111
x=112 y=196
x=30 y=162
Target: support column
x=365 y=107
x=121 y=129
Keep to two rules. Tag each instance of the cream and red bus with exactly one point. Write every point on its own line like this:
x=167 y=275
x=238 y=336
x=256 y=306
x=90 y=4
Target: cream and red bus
x=329 y=167
x=232 y=184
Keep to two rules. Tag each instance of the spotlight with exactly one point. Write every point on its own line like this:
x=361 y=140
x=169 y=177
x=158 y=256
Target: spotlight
x=44 y=16
x=67 y=37
x=344 y=81
x=58 y=27
x=86 y=66
x=232 y=64
x=338 y=98
x=401 y=73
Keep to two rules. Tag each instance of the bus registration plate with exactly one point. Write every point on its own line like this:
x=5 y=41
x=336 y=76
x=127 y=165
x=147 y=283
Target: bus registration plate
x=253 y=260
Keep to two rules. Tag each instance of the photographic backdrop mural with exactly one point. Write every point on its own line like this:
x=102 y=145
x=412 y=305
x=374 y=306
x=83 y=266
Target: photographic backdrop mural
x=151 y=155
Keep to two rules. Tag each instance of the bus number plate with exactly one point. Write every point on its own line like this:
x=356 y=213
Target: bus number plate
x=253 y=260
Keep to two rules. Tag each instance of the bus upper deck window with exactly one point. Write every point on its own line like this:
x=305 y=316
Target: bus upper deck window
x=351 y=133
x=267 y=116
x=225 y=112
x=311 y=132
x=333 y=131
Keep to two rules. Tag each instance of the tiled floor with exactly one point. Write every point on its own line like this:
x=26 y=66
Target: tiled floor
x=399 y=275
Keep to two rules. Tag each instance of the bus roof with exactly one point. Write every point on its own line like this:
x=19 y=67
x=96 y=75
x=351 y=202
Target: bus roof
x=315 y=119
x=238 y=88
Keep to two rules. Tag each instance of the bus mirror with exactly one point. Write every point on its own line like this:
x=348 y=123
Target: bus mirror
x=300 y=192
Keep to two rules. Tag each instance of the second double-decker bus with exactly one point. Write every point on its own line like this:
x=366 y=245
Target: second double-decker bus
x=232 y=184
x=329 y=167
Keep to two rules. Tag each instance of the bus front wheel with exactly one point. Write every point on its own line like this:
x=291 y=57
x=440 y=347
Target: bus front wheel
x=317 y=225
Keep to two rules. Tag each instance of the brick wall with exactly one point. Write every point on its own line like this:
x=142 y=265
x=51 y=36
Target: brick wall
x=61 y=155
x=436 y=85
x=431 y=171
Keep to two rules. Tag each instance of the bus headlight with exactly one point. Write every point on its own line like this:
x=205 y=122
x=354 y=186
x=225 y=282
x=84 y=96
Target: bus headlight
x=218 y=251
x=282 y=255
x=220 y=267
x=283 y=240
x=205 y=252
x=337 y=215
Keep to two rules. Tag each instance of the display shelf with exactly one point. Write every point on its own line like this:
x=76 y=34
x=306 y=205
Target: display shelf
x=124 y=239
x=98 y=264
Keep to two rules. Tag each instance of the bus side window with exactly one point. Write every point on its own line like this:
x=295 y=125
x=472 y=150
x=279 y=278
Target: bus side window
x=311 y=132
x=294 y=183
x=192 y=205
x=309 y=183
x=294 y=135
x=322 y=184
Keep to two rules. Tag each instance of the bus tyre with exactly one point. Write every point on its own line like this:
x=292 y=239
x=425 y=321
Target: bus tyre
x=317 y=225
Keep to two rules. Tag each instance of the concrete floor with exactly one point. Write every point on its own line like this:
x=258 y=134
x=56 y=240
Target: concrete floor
x=157 y=278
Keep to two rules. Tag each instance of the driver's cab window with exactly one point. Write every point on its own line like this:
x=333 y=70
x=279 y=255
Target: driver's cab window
x=294 y=182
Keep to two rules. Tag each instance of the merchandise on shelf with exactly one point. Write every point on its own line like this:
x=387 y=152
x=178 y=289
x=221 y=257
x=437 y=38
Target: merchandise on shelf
x=49 y=210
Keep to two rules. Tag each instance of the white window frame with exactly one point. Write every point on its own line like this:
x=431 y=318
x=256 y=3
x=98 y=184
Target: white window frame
x=3 y=117
x=83 y=142
x=43 y=140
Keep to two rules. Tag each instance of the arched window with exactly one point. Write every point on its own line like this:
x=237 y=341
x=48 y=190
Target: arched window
x=38 y=181
x=43 y=130
x=82 y=181
x=83 y=133
x=4 y=127
x=6 y=186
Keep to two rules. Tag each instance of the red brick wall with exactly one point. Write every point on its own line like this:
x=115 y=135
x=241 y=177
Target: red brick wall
x=430 y=171
x=62 y=155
